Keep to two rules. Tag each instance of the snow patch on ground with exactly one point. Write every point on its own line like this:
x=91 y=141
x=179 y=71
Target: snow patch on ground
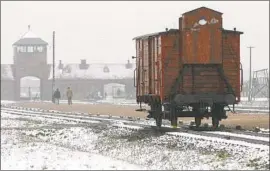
x=7 y=102
x=219 y=140
x=121 y=125
x=43 y=156
x=161 y=151
x=6 y=118
x=240 y=135
x=40 y=149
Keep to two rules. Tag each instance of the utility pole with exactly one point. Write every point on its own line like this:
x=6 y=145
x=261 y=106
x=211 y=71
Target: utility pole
x=53 y=80
x=250 y=81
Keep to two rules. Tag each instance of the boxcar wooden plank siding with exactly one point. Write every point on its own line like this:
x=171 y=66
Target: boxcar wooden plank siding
x=231 y=60
x=146 y=67
x=171 y=59
x=137 y=68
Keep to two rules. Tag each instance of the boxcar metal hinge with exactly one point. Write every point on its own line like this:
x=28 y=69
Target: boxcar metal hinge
x=233 y=111
x=221 y=72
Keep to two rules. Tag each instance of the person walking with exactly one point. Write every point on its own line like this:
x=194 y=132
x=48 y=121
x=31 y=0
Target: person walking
x=57 y=96
x=69 y=95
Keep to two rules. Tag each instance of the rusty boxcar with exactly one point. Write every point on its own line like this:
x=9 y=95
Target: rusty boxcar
x=192 y=71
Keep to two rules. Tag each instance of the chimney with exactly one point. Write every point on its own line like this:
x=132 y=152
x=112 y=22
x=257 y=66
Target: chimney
x=60 y=65
x=180 y=23
x=234 y=29
x=83 y=61
x=83 y=64
x=106 y=69
x=28 y=27
x=128 y=65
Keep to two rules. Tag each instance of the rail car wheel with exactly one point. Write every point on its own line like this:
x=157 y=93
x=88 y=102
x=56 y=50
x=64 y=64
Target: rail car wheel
x=173 y=117
x=198 y=121
x=157 y=113
x=215 y=122
x=217 y=113
x=159 y=120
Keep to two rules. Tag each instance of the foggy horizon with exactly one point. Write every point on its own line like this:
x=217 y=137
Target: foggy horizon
x=102 y=32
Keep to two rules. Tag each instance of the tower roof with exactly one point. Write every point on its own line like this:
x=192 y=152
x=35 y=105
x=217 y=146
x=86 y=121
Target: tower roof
x=30 y=38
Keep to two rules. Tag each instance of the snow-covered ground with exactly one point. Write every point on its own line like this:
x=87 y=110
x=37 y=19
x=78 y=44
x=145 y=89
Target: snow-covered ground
x=41 y=143
x=42 y=149
x=256 y=99
x=7 y=102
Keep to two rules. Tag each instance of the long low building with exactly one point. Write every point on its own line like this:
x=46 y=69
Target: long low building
x=84 y=79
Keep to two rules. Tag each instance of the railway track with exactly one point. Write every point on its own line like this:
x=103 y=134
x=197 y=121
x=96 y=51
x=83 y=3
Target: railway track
x=231 y=137
x=238 y=109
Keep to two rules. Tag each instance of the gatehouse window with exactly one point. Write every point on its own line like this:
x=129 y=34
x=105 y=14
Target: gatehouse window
x=40 y=49
x=35 y=48
x=30 y=49
x=21 y=49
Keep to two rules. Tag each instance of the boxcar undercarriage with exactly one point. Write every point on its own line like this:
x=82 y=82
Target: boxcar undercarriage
x=203 y=108
x=197 y=105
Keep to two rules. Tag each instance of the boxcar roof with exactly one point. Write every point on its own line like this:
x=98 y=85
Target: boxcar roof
x=154 y=34
x=232 y=31
x=201 y=8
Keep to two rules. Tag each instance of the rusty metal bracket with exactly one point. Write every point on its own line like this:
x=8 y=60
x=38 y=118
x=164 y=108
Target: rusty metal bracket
x=134 y=77
x=242 y=79
x=221 y=72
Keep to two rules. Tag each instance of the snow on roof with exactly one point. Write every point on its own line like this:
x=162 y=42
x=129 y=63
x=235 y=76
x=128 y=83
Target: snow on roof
x=94 y=71
x=29 y=34
x=30 y=38
x=6 y=72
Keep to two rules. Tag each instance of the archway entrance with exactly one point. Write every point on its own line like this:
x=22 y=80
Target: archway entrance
x=114 y=90
x=30 y=88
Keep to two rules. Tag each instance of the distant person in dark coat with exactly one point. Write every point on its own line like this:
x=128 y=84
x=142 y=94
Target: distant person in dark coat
x=57 y=96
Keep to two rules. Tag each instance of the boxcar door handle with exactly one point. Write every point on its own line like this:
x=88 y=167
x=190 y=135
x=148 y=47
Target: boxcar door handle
x=134 y=77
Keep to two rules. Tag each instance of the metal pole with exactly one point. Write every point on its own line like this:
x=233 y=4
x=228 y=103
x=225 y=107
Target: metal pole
x=53 y=80
x=250 y=82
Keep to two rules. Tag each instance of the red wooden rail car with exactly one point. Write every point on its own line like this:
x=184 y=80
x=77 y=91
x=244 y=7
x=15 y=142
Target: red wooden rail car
x=195 y=67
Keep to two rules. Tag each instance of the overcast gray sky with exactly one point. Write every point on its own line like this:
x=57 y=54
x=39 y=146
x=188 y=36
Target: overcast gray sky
x=103 y=31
